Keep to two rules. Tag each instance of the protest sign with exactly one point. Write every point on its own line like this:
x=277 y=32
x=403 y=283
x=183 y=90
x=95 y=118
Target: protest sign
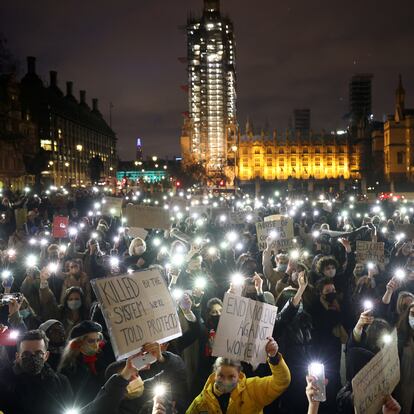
x=138 y=309
x=60 y=227
x=284 y=229
x=273 y=217
x=243 y=329
x=407 y=229
x=112 y=206
x=21 y=217
x=138 y=232
x=377 y=379
x=369 y=251
x=147 y=217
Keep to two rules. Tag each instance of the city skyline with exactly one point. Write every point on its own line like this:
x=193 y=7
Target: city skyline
x=280 y=65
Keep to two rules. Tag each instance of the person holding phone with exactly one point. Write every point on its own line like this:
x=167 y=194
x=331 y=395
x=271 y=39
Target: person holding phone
x=228 y=389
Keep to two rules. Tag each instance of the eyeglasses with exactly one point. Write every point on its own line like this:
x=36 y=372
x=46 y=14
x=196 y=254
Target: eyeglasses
x=27 y=354
x=74 y=267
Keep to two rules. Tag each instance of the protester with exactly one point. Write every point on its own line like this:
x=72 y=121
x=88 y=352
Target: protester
x=84 y=361
x=340 y=270
x=228 y=389
x=30 y=386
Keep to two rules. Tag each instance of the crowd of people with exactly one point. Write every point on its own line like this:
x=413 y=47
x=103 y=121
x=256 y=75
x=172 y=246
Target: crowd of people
x=333 y=308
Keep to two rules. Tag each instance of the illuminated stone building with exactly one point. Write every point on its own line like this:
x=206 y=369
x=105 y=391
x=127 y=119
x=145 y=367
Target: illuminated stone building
x=399 y=140
x=18 y=143
x=211 y=119
x=283 y=156
x=74 y=135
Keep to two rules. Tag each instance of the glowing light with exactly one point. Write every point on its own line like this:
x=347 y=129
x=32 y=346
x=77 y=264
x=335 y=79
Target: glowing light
x=316 y=369
x=400 y=274
x=31 y=260
x=237 y=279
x=200 y=283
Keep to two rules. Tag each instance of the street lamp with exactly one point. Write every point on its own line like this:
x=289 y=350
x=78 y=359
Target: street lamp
x=66 y=164
x=154 y=158
x=79 y=148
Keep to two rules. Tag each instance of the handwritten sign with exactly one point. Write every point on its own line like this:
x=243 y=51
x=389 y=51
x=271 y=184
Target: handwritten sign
x=147 y=217
x=60 y=227
x=112 y=206
x=137 y=308
x=243 y=329
x=284 y=229
x=377 y=379
x=369 y=251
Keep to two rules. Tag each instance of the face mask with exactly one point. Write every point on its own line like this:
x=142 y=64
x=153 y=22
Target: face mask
x=24 y=313
x=281 y=268
x=330 y=297
x=74 y=304
x=135 y=389
x=411 y=321
x=214 y=319
x=330 y=272
x=89 y=351
x=225 y=387
x=139 y=250
x=32 y=364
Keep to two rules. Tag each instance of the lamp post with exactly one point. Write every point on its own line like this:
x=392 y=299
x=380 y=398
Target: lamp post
x=79 y=148
x=234 y=149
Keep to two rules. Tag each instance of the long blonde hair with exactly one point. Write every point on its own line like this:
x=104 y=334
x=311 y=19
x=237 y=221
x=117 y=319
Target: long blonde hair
x=71 y=352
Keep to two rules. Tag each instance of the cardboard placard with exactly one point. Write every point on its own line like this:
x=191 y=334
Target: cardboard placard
x=112 y=206
x=243 y=329
x=367 y=251
x=284 y=229
x=377 y=379
x=60 y=227
x=147 y=217
x=138 y=309
x=138 y=232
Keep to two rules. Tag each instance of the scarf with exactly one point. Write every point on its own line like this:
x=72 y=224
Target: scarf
x=90 y=360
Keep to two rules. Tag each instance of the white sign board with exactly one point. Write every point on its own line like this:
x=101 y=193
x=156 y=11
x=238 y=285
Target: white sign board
x=284 y=229
x=377 y=379
x=137 y=308
x=243 y=329
x=147 y=217
x=112 y=206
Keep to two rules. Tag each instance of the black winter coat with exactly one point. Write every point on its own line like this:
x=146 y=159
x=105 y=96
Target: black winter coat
x=48 y=392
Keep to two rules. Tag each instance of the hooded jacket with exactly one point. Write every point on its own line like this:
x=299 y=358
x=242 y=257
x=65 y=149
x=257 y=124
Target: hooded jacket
x=249 y=397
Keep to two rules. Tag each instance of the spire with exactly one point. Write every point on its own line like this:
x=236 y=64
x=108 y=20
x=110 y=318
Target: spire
x=211 y=5
x=399 y=100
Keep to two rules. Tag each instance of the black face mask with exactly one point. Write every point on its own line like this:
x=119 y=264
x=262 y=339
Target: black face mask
x=32 y=364
x=214 y=320
x=330 y=297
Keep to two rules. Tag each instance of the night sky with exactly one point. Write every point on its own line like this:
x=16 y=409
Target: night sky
x=289 y=54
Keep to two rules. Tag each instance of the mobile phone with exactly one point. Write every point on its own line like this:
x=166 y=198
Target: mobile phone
x=141 y=361
x=317 y=370
x=163 y=394
x=6 y=298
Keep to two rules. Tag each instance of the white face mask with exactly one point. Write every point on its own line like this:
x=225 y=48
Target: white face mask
x=411 y=321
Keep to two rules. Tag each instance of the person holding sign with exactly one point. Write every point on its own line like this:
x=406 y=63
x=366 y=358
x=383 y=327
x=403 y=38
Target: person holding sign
x=228 y=389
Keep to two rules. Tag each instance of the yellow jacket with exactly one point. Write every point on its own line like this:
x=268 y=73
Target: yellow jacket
x=250 y=396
